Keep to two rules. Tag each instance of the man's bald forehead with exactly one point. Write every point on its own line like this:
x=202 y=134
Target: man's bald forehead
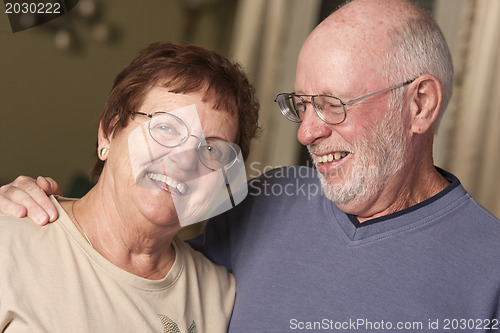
x=373 y=14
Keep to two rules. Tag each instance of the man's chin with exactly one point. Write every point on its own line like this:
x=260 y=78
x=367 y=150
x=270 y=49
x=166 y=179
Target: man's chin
x=343 y=194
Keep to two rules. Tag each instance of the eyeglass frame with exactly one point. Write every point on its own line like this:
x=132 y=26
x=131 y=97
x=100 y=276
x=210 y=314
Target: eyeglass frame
x=184 y=139
x=316 y=108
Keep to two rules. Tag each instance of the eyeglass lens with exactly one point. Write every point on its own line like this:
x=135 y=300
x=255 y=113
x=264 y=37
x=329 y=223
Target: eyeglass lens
x=217 y=154
x=330 y=108
x=170 y=131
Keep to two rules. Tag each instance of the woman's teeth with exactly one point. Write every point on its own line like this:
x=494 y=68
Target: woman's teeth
x=181 y=187
x=332 y=157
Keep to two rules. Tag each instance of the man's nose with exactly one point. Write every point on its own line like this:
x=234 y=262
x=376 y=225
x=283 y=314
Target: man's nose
x=312 y=126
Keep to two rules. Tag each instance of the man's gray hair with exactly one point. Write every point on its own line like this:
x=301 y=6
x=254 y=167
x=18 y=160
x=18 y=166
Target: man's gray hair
x=418 y=47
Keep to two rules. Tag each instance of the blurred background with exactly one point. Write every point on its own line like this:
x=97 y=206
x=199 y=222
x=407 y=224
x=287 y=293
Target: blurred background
x=55 y=78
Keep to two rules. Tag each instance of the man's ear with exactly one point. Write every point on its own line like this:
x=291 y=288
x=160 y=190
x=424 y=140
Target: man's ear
x=425 y=103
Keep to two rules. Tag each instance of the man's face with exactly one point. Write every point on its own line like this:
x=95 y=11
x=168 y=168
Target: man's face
x=357 y=158
x=376 y=155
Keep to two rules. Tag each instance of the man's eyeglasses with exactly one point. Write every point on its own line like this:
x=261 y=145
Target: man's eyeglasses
x=330 y=109
x=170 y=131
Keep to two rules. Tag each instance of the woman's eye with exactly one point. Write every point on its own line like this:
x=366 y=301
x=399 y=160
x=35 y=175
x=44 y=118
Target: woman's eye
x=212 y=151
x=165 y=128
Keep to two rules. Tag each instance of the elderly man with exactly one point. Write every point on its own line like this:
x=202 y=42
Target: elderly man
x=391 y=242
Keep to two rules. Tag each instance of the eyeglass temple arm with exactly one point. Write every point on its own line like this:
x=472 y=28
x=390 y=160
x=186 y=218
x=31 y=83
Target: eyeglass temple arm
x=228 y=187
x=142 y=114
x=379 y=92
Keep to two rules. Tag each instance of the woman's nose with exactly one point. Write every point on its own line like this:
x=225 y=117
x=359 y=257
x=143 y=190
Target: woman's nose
x=185 y=156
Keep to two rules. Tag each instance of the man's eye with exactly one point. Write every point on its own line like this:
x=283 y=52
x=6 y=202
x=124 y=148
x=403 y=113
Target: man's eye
x=332 y=106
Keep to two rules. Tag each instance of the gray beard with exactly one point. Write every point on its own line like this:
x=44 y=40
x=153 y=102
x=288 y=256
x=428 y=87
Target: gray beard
x=378 y=156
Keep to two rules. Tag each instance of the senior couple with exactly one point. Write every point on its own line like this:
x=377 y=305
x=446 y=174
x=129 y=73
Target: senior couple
x=392 y=243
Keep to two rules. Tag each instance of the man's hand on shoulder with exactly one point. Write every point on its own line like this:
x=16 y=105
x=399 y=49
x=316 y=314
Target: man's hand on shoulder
x=26 y=196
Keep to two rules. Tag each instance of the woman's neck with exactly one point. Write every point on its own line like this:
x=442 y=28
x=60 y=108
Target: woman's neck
x=123 y=236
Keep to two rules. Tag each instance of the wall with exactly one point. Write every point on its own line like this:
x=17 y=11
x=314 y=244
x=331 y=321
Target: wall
x=50 y=99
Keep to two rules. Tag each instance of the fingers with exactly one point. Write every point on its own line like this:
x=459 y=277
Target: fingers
x=10 y=207
x=49 y=185
x=25 y=197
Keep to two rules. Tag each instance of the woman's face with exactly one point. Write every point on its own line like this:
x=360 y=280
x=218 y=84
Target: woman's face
x=168 y=183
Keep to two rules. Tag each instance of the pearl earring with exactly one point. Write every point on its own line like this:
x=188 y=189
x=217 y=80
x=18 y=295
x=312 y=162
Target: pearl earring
x=103 y=152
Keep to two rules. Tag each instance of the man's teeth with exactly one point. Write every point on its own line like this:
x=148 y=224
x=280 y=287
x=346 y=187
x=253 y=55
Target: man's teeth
x=332 y=157
x=181 y=187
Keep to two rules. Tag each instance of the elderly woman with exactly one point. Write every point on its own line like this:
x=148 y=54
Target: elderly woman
x=111 y=262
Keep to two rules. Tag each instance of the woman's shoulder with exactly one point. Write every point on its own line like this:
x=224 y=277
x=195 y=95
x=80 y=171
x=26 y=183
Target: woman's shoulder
x=23 y=236
x=10 y=225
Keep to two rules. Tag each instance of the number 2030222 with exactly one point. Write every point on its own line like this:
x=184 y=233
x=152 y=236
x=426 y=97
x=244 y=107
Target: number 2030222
x=33 y=8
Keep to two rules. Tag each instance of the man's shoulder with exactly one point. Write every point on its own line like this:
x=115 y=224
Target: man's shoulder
x=460 y=205
x=475 y=212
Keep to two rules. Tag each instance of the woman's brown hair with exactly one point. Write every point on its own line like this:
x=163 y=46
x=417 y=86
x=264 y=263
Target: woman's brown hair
x=182 y=68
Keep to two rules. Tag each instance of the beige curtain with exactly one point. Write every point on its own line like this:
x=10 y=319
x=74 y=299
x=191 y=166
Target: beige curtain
x=468 y=142
x=267 y=39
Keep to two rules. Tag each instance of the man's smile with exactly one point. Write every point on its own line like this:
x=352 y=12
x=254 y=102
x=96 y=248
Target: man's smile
x=330 y=157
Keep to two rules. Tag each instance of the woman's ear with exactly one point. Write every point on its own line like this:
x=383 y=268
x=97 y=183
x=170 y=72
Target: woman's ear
x=425 y=104
x=103 y=143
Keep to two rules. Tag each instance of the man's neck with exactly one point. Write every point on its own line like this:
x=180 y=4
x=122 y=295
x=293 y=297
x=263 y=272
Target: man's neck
x=401 y=192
